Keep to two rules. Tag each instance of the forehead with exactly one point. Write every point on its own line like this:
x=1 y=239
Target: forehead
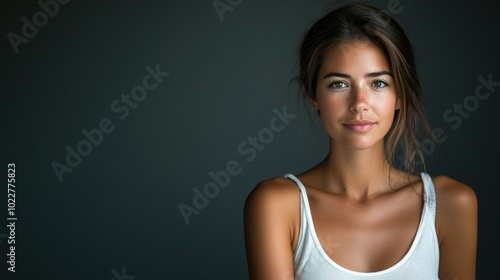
x=355 y=57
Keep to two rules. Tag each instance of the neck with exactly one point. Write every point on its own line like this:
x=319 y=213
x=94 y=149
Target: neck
x=359 y=174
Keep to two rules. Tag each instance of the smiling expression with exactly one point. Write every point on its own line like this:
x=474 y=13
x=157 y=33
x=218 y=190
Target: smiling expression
x=356 y=94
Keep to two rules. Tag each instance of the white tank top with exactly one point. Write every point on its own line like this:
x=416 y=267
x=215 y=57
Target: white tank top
x=310 y=262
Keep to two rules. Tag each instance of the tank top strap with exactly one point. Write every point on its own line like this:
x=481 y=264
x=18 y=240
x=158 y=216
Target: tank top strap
x=304 y=215
x=296 y=180
x=302 y=189
x=429 y=194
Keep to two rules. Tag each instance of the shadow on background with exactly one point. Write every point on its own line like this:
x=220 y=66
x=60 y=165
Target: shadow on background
x=138 y=128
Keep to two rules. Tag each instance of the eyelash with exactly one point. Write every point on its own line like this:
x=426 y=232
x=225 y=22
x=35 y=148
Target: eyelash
x=336 y=82
x=384 y=84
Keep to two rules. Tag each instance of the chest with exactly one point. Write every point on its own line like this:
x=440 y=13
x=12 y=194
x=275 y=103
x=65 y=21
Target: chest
x=369 y=236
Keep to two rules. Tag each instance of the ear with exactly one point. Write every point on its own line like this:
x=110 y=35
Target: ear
x=398 y=104
x=314 y=102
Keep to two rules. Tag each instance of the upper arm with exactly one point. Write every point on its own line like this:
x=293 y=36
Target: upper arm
x=267 y=225
x=456 y=222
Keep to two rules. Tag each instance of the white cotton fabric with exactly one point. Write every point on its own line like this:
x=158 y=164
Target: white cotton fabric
x=420 y=262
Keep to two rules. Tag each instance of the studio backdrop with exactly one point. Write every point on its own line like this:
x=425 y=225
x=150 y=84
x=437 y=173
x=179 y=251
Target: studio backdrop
x=132 y=131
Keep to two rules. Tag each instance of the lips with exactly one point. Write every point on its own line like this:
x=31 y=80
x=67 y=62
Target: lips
x=360 y=125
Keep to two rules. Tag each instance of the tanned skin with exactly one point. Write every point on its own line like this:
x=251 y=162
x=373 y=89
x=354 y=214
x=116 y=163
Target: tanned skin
x=354 y=192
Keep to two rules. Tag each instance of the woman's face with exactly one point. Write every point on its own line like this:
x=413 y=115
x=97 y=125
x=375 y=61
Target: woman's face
x=356 y=95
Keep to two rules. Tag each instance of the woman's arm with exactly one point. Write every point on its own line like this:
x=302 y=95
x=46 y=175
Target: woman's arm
x=456 y=222
x=268 y=221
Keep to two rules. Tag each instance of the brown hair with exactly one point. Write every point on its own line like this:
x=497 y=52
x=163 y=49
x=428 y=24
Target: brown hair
x=363 y=22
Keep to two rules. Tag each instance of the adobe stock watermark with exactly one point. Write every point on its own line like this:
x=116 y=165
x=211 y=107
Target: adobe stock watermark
x=122 y=276
x=29 y=29
x=456 y=115
x=121 y=107
x=248 y=148
x=222 y=6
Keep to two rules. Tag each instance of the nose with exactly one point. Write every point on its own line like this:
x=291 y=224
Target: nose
x=359 y=100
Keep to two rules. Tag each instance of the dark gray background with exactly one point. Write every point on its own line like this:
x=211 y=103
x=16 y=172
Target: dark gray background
x=119 y=207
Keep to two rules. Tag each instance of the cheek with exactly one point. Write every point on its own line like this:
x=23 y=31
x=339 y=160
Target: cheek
x=331 y=110
x=387 y=104
x=331 y=105
x=385 y=109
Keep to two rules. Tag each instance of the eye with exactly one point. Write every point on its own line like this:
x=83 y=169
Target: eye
x=338 y=84
x=380 y=84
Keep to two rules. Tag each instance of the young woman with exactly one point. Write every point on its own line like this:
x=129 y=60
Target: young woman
x=355 y=215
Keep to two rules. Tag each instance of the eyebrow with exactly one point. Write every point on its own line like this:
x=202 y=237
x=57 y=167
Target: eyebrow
x=369 y=75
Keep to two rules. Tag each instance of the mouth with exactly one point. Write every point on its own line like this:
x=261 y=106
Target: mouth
x=360 y=125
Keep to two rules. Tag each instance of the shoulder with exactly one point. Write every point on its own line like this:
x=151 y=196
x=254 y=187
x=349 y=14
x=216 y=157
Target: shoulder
x=454 y=195
x=456 y=227
x=456 y=205
x=271 y=209
x=270 y=226
x=275 y=192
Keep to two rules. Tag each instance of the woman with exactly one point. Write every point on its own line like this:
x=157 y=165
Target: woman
x=355 y=215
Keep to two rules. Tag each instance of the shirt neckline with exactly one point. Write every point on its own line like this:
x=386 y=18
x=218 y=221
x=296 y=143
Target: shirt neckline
x=407 y=255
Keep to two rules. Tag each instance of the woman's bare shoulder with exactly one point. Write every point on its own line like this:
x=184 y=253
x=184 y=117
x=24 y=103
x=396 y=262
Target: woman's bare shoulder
x=453 y=194
x=277 y=190
x=456 y=208
x=271 y=227
x=272 y=208
x=456 y=226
